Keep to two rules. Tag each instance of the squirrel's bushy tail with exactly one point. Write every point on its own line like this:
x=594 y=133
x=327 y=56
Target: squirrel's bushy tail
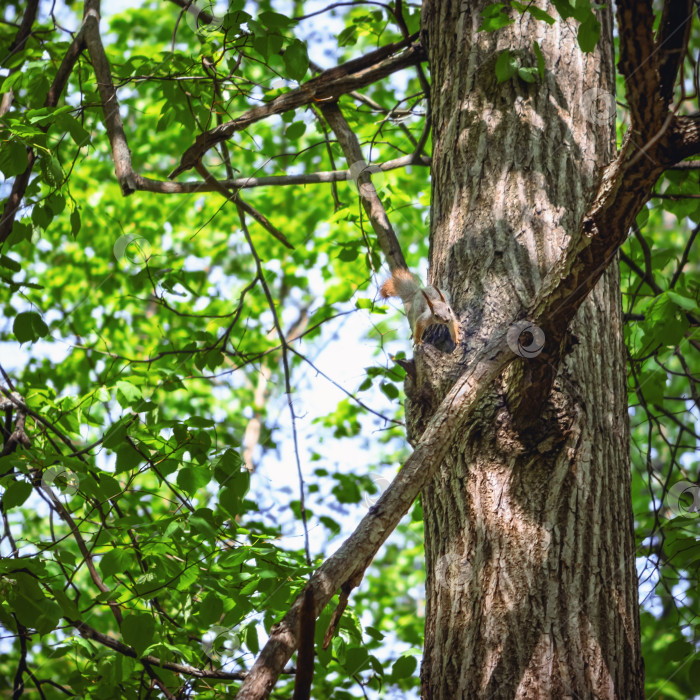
x=401 y=284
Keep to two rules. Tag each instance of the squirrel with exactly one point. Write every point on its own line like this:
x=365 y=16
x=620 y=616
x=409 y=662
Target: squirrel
x=424 y=305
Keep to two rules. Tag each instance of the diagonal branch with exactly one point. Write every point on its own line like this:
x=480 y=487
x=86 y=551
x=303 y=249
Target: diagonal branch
x=357 y=552
x=386 y=236
x=672 y=40
x=639 y=65
x=332 y=83
x=187 y=670
x=108 y=97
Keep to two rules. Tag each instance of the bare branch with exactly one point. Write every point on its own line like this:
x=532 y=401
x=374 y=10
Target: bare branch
x=386 y=237
x=692 y=165
x=327 y=86
x=684 y=258
x=328 y=176
x=108 y=96
x=683 y=139
x=109 y=641
x=672 y=41
x=639 y=65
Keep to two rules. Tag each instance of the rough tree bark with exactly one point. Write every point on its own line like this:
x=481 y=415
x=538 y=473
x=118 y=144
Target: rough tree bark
x=531 y=581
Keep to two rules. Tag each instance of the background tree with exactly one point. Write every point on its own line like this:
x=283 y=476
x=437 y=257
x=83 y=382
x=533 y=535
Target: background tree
x=143 y=550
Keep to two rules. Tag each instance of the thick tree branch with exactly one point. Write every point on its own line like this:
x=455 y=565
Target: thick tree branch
x=108 y=96
x=25 y=28
x=683 y=140
x=639 y=65
x=12 y=439
x=386 y=237
x=671 y=42
x=329 y=85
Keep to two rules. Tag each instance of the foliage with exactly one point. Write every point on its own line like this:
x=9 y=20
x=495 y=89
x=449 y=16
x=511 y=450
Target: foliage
x=151 y=348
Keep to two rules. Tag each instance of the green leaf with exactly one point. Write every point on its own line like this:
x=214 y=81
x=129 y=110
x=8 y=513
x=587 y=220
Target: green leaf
x=295 y=130
x=230 y=500
x=529 y=75
x=49 y=618
x=404 y=667
x=540 y=59
x=13 y=158
x=127 y=458
x=251 y=639
x=191 y=479
x=9 y=263
x=75 y=222
x=374 y=633
x=138 y=630
x=389 y=390
x=296 y=60
x=643 y=217
x=274 y=20
x=114 y=561
x=210 y=609
x=495 y=17
x=127 y=393
x=684 y=302
x=115 y=435
x=506 y=66
x=356 y=659
x=16 y=494
x=42 y=215
x=588 y=34
x=652 y=384
x=79 y=135
x=29 y=326
x=564 y=8
x=535 y=11
x=123 y=668
x=694 y=673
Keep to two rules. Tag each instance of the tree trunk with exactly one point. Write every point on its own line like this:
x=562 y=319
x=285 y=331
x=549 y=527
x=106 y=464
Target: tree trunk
x=531 y=582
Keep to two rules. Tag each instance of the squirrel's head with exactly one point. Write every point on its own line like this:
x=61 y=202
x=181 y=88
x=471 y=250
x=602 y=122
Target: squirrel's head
x=442 y=314
x=439 y=308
